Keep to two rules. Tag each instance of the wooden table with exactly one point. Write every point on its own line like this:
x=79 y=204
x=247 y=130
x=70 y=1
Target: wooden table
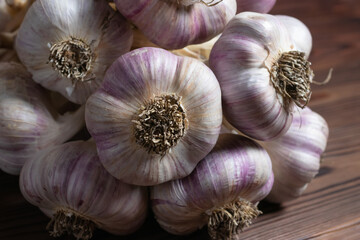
x=330 y=207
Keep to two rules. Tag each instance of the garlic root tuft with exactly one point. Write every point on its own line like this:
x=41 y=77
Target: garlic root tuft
x=160 y=123
x=231 y=219
x=72 y=58
x=291 y=76
x=70 y=222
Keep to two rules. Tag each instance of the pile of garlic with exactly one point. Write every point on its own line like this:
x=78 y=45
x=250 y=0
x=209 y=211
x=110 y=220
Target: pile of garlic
x=195 y=106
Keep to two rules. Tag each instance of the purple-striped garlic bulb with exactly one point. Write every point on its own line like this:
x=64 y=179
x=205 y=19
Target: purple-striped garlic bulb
x=174 y=24
x=69 y=184
x=296 y=155
x=260 y=6
x=222 y=192
x=67 y=45
x=261 y=63
x=155 y=116
x=28 y=123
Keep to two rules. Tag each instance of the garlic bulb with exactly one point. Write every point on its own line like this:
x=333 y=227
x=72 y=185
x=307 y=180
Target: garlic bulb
x=296 y=155
x=221 y=192
x=67 y=45
x=155 y=116
x=27 y=123
x=260 y=6
x=260 y=62
x=174 y=24
x=69 y=184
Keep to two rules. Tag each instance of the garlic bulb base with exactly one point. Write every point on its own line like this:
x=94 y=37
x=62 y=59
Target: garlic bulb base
x=160 y=124
x=232 y=218
x=70 y=222
x=72 y=58
x=291 y=76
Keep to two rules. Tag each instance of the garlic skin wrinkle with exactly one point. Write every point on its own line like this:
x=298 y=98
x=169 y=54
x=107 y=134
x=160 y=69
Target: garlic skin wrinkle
x=28 y=123
x=155 y=116
x=222 y=191
x=260 y=6
x=69 y=184
x=174 y=24
x=296 y=155
x=260 y=62
x=67 y=45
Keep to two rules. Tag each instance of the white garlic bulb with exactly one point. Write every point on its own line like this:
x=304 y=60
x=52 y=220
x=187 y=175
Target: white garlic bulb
x=69 y=184
x=296 y=155
x=222 y=191
x=67 y=45
x=155 y=116
x=174 y=24
x=261 y=63
x=28 y=123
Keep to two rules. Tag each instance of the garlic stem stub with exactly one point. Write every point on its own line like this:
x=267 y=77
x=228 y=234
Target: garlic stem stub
x=296 y=155
x=261 y=63
x=174 y=24
x=69 y=184
x=28 y=123
x=67 y=45
x=260 y=6
x=155 y=116
x=222 y=191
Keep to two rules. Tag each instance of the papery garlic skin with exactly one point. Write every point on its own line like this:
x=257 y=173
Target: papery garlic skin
x=174 y=24
x=135 y=79
x=296 y=155
x=260 y=6
x=28 y=123
x=106 y=34
x=198 y=51
x=242 y=60
x=237 y=168
x=71 y=177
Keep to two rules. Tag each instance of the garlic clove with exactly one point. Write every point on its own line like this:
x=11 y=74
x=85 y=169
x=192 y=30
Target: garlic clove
x=155 y=116
x=248 y=60
x=260 y=6
x=236 y=174
x=89 y=35
x=27 y=123
x=69 y=184
x=181 y=22
x=296 y=155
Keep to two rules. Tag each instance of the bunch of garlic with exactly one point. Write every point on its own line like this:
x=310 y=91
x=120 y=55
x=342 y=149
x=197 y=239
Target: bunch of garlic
x=154 y=116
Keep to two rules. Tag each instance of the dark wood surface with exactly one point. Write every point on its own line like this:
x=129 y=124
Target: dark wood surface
x=330 y=207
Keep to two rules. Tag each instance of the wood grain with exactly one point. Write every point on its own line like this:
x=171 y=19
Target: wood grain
x=330 y=207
